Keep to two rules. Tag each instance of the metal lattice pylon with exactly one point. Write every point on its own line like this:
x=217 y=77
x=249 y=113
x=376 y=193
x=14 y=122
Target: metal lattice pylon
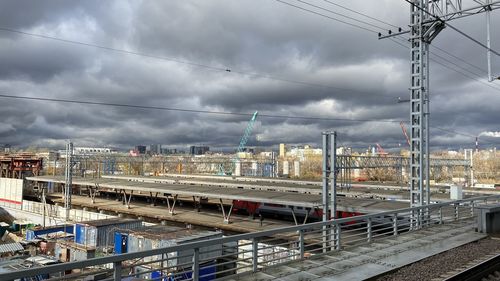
x=418 y=99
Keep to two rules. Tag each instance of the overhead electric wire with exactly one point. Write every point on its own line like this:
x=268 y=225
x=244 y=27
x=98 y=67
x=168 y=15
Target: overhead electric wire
x=444 y=65
x=367 y=29
x=223 y=69
x=338 y=14
x=114 y=49
x=460 y=59
x=477 y=79
x=457 y=65
x=450 y=68
x=262 y=115
x=359 y=13
x=439 y=128
x=454 y=28
x=376 y=32
x=195 y=64
x=326 y=16
x=440 y=63
x=73 y=101
x=392 y=25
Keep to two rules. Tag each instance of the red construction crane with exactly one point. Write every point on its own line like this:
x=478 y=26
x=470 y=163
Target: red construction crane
x=405 y=132
x=380 y=150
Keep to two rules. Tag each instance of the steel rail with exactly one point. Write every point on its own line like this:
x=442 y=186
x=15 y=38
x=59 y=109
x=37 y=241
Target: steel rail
x=478 y=271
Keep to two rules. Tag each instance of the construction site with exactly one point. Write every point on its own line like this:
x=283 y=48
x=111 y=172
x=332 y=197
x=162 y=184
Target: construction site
x=325 y=202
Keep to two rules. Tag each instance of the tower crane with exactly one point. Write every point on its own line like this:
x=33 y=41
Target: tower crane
x=380 y=150
x=402 y=124
x=241 y=146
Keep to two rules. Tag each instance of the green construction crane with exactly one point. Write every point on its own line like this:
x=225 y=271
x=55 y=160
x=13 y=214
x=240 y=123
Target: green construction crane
x=241 y=146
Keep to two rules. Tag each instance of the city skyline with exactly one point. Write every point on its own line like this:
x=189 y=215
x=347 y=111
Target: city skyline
x=227 y=57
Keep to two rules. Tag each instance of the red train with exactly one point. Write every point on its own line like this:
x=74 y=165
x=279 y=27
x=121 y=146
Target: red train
x=282 y=211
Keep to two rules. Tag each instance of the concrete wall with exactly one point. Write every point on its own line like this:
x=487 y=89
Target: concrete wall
x=33 y=211
x=11 y=192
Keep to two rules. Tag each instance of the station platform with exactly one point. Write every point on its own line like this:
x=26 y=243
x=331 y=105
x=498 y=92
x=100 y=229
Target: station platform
x=209 y=219
x=382 y=191
x=383 y=256
x=171 y=190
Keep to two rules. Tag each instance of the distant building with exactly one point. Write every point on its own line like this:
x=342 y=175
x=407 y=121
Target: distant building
x=141 y=149
x=155 y=149
x=198 y=150
x=169 y=151
x=303 y=152
x=249 y=150
x=92 y=150
x=6 y=148
x=88 y=151
x=282 y=150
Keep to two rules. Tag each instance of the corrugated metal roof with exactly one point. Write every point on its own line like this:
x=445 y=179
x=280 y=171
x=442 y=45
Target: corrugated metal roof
x=43 y=260
x=110 y=221
x=162 y=232
x=11 y=247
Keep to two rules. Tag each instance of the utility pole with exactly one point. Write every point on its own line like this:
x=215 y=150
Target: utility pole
x=44 y=202
x=333 y=175
x=488 y=39
x=68 y=178
x=427 y=19
x=329 y=190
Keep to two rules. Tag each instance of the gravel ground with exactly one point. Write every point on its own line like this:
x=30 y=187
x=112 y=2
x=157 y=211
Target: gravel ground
x=440 y=264
x=493 y=277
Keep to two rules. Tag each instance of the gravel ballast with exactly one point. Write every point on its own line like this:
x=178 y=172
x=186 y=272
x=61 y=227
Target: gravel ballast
x=440 y=264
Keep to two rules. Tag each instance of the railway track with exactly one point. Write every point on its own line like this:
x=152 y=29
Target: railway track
x=484 y=269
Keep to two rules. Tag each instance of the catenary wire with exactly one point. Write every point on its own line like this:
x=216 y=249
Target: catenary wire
x=263 y=115
x=326 y=16
x=362 y=14
x=210 y=67
x=72 y=101
x=460 y=59
x=225 y=68
x=339 y=14
x=392 y=25
x=446 y=66
x=454 y=28
x=477 y=79
x=194 y=64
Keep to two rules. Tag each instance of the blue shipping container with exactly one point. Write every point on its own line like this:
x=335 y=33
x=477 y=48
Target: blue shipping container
x=79 y=234
x=121 y=243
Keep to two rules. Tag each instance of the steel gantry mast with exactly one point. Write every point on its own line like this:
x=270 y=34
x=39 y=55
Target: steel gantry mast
x=419 y=101
x=427 y=19
x=68 y=179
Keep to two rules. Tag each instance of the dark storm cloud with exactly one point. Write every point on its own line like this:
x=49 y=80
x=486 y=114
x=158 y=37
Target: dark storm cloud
x=355 y=75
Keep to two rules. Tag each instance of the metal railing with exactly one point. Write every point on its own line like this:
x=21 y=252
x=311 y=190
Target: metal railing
x=246 y=253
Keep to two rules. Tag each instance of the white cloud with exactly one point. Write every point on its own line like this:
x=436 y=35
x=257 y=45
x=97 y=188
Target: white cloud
x=490 y=134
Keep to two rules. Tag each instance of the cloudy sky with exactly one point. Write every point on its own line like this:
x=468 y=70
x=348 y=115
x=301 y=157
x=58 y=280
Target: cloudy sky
x=284 y=61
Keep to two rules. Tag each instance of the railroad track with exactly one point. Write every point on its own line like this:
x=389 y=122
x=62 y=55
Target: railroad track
x=484 y=269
